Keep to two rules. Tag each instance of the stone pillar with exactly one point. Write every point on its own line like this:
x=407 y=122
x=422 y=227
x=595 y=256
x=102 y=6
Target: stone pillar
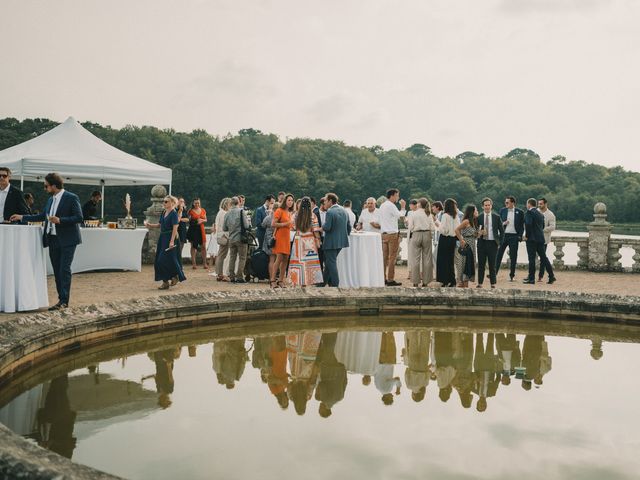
x=599 y=234
x=152 y=215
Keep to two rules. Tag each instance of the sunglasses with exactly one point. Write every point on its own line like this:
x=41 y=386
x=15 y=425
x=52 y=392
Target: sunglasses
x=4 y=175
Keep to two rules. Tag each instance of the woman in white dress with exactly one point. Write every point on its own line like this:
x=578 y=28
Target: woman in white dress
x=222 y=240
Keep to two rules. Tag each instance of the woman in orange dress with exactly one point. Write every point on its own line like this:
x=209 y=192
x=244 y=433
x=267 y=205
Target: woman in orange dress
x=282 y=222
x=196 y=233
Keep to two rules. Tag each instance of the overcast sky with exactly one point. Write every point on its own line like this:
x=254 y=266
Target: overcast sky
x=556 y=76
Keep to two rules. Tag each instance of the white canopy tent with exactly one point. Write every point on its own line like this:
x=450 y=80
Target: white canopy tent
x=82 y=158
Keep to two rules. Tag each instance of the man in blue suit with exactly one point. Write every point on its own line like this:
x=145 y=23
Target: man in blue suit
x=513 y=222
x=534 y=231
x=61 y=216
x=261 y=213
x=336 y=229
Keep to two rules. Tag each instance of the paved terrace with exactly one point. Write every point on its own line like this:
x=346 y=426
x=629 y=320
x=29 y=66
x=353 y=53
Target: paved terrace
x=100 y=287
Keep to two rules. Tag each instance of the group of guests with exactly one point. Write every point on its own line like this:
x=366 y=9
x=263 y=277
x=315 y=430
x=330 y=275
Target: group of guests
x=303 y=238
x=456 y=244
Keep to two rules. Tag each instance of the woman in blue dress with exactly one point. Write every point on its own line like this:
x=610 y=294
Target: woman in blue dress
x=167 y=265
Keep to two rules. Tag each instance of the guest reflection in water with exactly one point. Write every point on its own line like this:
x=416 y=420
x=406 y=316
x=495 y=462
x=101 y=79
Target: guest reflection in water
x=56 y=419
x=333 y=375
x=229 y=359
x=536 y=360
x=416 y=357
x=485 y=364
x=445 y=370
x=163 y=360
x=384 y=376
x=596 y=348
x=276 y=370
x=303 y=350
x=464 y=379
x=509 y=355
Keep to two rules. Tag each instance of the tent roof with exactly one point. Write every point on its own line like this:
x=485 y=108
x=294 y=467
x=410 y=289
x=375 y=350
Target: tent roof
x=80 y=157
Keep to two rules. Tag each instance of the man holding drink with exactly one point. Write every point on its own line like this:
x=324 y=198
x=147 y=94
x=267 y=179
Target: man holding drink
x=490 y=236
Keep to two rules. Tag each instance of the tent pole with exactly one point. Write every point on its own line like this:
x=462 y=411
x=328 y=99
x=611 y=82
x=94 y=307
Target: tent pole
x=22 y=182
x=102 y=203
x=169 y=188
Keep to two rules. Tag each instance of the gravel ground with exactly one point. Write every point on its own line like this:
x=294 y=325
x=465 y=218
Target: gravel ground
x=99 y=287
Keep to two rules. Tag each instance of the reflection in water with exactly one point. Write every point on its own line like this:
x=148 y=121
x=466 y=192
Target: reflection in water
x=309 y=368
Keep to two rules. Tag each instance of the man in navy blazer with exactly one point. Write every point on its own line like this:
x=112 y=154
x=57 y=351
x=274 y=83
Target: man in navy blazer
x=336 y=229
x=534 y=231
x=513 y=223
x=491 y=234
x=61 y=216
x=261 y=213
x=11 y=199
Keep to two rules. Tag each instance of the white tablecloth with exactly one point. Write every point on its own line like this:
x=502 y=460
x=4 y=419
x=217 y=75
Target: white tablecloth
x=107 y=249
x=23 y=282
x=361 y=265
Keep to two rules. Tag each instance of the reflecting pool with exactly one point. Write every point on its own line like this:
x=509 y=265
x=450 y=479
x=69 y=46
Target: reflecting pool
x=422 y=401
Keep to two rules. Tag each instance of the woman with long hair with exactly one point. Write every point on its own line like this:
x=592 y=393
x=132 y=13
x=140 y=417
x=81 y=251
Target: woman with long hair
x=304 y=264
x=467 y=233
x=421 y=228
x=196 y=233
x=167 y=268
x=222 y=238
x=445 y=272
x=282 y=223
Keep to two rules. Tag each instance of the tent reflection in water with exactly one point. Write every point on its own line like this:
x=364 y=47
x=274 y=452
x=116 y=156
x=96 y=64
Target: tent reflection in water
x=81 y=158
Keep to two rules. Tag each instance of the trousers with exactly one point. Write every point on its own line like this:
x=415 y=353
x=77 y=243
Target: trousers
x=61 y=258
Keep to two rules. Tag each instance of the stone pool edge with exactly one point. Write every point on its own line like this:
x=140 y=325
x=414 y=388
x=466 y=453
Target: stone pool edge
x=33 y=338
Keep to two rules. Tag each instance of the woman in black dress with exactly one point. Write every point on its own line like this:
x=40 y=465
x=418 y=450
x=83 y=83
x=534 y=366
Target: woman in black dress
x=445 y=272
x=167 y=266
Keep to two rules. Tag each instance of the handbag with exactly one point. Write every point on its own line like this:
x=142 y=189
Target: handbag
x=272 y=242
x=223 y=239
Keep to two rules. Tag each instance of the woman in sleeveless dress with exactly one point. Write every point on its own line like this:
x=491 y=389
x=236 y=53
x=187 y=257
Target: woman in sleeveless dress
x=304 y=264
x=196 y=233
x=467 y=233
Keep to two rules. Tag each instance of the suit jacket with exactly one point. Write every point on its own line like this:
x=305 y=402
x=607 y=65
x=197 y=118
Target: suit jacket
x=316 y=212
x=534 y=226
x=496 y=223
x=261 y=212
x=70 y=214
x=518 y=219
x=336 y=229
x=15 y=204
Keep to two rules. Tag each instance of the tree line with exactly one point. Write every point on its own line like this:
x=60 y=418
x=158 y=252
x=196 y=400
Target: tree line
x=255 y=163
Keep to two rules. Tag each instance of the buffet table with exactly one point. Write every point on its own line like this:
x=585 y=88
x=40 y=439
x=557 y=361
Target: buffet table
x=361 y=264
x=107 y=249
x=23 y=282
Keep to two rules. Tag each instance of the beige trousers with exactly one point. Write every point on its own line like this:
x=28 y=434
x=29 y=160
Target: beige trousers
x=390 y=246
x=422 y=261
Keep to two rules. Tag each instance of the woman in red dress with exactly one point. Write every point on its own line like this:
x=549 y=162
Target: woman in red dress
x=282 y=222
x=196 y=234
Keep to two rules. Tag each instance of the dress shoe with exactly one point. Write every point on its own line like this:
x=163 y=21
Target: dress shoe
x=58 y=306
x=239 y=280
x=529 y=282
x=493 y=286
x=539 y=279
x=552 y=280
x=479 y=286
x=393 y=283
x=511 y=278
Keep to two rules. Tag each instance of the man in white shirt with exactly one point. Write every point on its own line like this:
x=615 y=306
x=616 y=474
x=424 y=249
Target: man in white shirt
x=389 y=216
x=549 y=226
x=369 y=220
x=350 y=215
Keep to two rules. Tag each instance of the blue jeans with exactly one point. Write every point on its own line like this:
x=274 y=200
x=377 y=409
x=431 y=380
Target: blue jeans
x=331 y=276
x=61 y=258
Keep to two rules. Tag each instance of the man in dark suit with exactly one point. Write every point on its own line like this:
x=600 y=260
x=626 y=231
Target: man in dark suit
x=261 y=213
x=61 y=217
x=534 y=231
x=491 y=234
x=90 y=209
x=513 y=223
x=336 y=229
x=333 y=375
x=11 y=199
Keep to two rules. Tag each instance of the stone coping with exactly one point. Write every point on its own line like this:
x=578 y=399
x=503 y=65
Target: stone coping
x=29 y=340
